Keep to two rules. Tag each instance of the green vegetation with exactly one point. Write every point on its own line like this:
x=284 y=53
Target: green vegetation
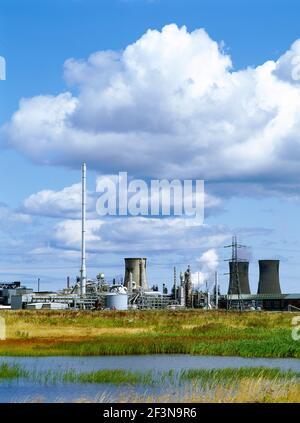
x=81 y=333
x=114 y=376
x=12 y=371
x=121 y=376
x=117 y=376
x=257 y=384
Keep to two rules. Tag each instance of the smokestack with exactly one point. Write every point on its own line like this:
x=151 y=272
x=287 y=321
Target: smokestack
x=83 y=216
x=137 y=268
x=269 y=277
x=243 y=268
x=175 y=283
x=188 y=287
x=216 y=290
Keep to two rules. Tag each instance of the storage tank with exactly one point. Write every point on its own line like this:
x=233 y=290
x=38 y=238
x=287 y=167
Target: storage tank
x=243 y=269
x=115 y=301
x=268 y=277
x=135 y=271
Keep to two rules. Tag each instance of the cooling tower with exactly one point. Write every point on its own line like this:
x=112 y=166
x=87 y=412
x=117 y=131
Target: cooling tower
x=269 y=277
x=135 y=271
x=242 y=268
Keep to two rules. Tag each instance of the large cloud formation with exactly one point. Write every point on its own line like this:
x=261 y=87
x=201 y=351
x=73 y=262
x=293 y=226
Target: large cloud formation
x=65 y=203
x=169 y=105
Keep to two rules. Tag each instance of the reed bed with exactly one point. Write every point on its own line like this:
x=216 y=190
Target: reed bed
x=120 y=376
x=257 y=384
x=244 y=391
x=12 y=371
x=247 y=334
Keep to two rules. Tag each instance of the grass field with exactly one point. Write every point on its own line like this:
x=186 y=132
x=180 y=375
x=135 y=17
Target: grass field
x=248 y=334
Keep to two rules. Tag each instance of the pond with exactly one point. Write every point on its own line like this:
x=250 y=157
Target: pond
x=22 y=390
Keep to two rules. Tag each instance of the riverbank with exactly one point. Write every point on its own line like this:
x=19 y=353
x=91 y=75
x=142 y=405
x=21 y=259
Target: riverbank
x=84 y=333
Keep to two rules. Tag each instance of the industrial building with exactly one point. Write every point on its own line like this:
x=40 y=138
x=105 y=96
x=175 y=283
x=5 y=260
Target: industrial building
x=269 y=277
x=268 y=297
x=8 y=291
x=268 y=302
x=135 y=273
x=243 y=270
x=134 y=293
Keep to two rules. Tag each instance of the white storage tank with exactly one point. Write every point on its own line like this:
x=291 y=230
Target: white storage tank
x=115 y=301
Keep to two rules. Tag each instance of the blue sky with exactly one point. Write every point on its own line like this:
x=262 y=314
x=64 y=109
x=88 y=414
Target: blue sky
x=258 y=200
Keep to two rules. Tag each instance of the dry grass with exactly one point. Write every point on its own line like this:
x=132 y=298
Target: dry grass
x=28 y=331
x=249 y=334
x=246 y=391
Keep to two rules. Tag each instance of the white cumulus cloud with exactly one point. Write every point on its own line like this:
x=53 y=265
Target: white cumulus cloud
x=168 y=105
x=138 y=235
x=64 y=203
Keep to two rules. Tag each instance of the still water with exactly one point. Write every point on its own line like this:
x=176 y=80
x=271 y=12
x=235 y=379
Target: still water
x=24 y=390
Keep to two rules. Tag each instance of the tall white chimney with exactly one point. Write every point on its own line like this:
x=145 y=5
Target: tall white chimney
x=216 y=290
x=83 y=217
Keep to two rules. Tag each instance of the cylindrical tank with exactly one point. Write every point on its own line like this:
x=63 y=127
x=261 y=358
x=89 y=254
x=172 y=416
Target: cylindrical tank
x=116 y=301
x=137 y=268
x=243 y=269
x=268 y=277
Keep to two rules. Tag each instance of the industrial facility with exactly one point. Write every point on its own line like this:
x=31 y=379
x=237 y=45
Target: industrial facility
x=134 y=292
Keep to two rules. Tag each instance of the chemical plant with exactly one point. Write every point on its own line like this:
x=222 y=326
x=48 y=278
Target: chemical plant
x=134 y=292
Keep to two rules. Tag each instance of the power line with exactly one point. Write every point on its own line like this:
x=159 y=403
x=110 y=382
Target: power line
x=234 y=285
